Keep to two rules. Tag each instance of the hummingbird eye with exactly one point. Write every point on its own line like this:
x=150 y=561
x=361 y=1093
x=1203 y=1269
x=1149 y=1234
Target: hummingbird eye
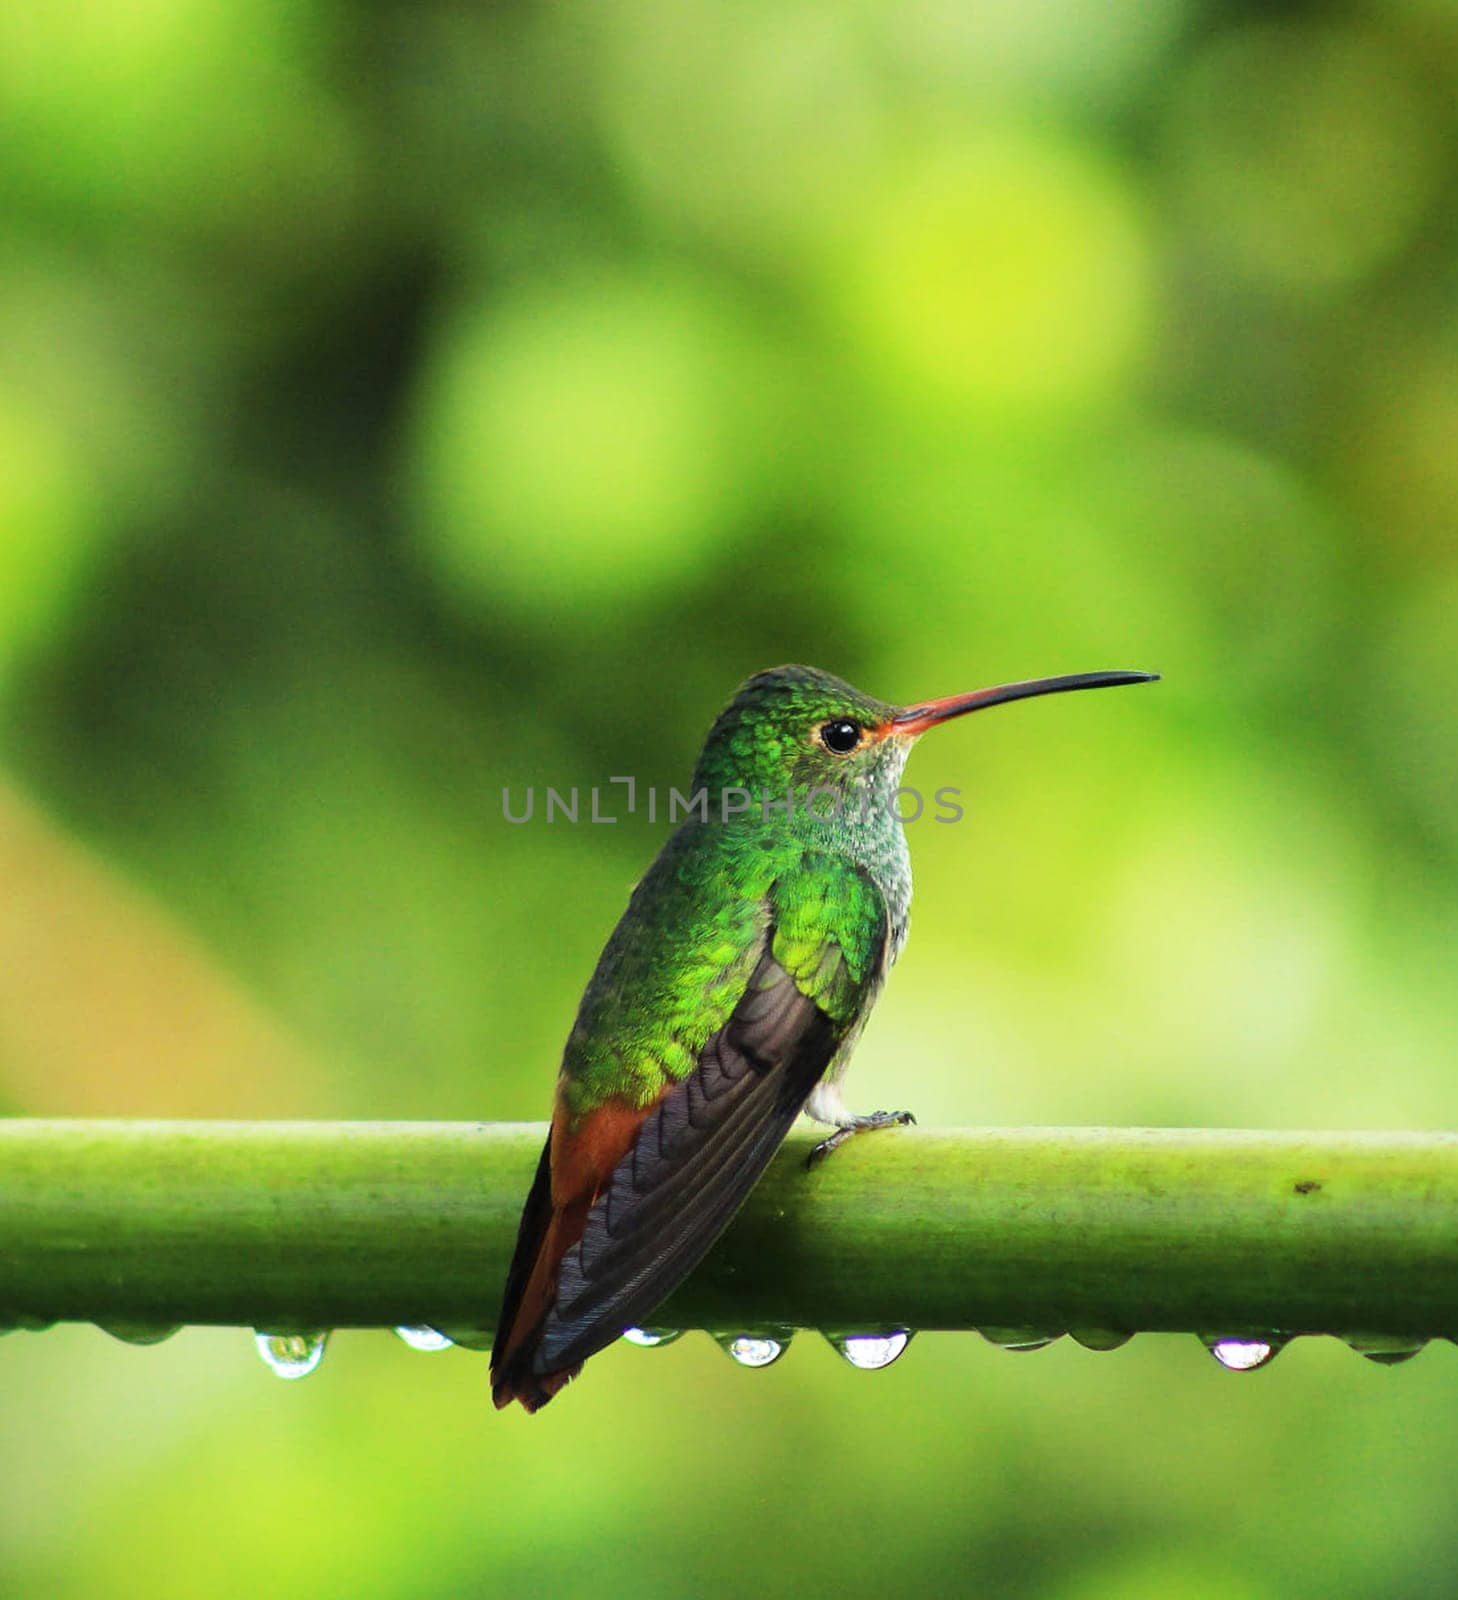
x=839 y=737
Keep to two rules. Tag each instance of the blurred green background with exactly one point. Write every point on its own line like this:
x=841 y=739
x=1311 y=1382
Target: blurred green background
x=402 y=401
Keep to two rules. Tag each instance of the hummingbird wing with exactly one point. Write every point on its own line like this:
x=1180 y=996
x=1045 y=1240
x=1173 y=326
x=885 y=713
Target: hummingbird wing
x=703 y=1146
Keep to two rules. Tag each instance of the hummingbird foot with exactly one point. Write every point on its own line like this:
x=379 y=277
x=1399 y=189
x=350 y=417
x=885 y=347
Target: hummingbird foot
x=848 y=1130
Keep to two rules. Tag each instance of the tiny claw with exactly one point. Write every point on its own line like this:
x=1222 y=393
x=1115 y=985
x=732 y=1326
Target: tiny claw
x=877 y=1119
x=819 y=1152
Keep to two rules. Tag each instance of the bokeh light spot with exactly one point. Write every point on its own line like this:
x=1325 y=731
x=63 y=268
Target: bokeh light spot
x=1008 y=272
x=578 y=443
x=47 y=526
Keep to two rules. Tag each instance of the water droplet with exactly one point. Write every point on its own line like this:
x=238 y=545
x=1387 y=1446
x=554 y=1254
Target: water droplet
x=871 y=1351
x=1244 y=1355
x=1018 y=1338
x=1099 y=1338
x=1386 y=1349
x=480 y=1339
x=753 y=1349
x=291 y=1355
x=140 y=1332
x=651 y=1338
x=424 y=1338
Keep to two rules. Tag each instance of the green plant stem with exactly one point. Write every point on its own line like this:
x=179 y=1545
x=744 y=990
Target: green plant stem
x=321 y=1225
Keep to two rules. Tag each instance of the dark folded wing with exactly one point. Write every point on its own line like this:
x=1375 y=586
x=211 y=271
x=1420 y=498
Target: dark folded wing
x=697 y=1156
x=535 y=1219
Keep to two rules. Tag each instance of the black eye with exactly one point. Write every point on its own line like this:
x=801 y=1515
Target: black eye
x=840 y=738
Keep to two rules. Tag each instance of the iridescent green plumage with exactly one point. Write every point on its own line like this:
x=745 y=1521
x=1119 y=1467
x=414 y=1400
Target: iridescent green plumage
x=726 y=1001
x=681 y=957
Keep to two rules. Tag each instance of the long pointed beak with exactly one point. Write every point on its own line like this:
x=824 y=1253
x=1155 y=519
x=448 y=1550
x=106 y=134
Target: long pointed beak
x=917 y=719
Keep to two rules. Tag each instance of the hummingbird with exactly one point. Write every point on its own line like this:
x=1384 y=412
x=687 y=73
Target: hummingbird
x=727 y=1001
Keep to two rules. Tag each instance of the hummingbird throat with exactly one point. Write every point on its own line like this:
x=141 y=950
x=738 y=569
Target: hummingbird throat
x=863 y=795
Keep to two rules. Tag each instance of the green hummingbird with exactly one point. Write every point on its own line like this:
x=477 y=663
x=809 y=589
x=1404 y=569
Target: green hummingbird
x=726 y=1002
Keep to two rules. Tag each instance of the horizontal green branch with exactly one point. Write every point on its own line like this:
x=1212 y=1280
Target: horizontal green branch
x=323 y=1225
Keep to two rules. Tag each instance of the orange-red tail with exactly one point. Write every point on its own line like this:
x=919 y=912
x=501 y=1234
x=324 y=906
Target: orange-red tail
x=572 y=1172
x=512 y=1377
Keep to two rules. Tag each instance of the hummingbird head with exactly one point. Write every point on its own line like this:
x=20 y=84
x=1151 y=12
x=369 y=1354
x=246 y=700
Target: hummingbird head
x=798 y=730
